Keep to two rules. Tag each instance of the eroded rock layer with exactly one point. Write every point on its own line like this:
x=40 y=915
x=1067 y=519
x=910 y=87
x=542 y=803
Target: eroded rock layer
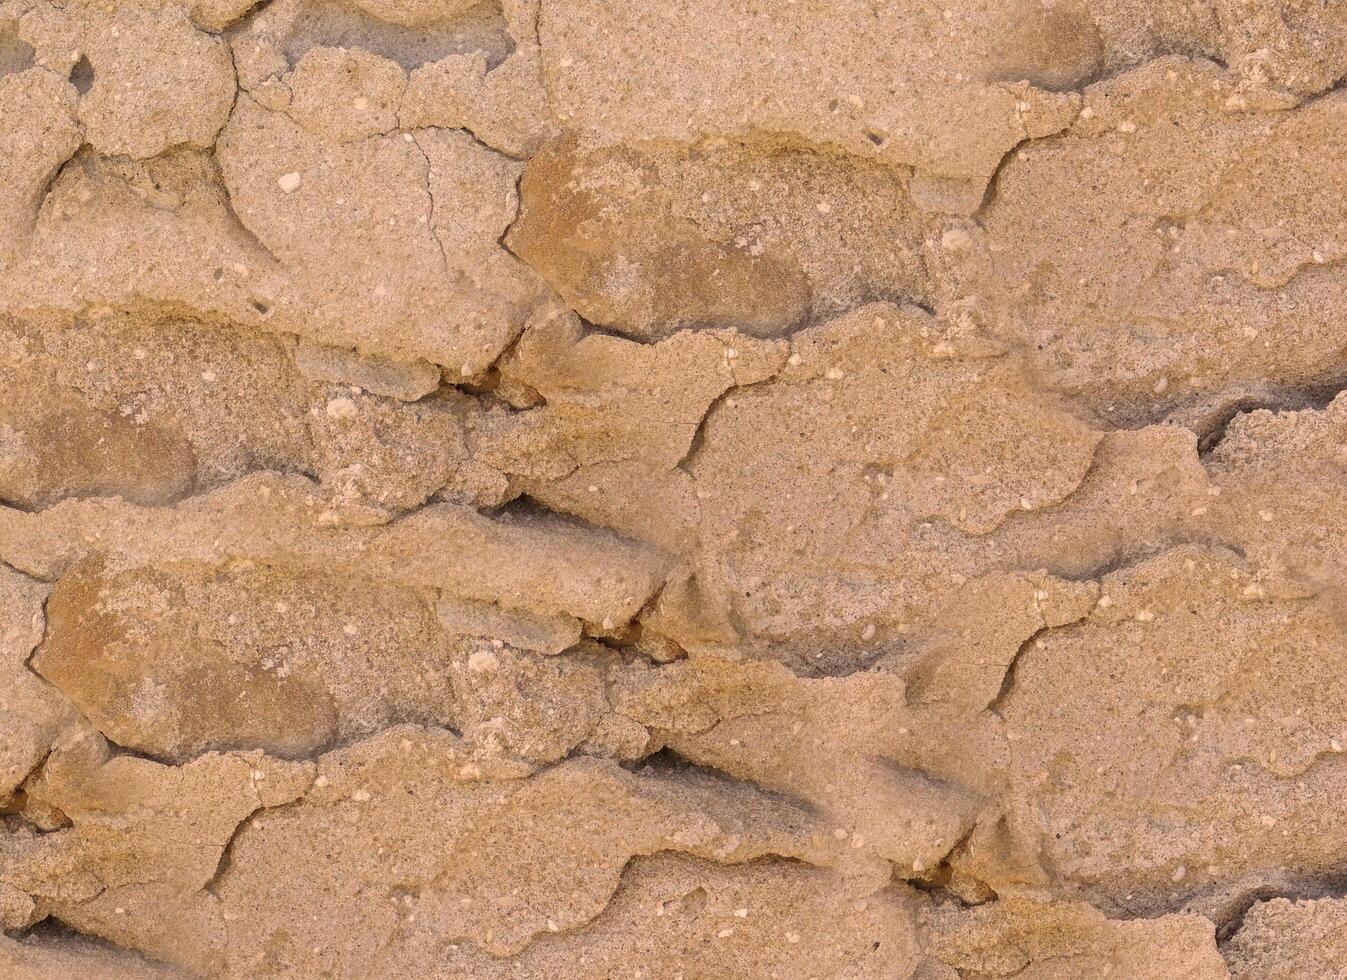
x=686 y=489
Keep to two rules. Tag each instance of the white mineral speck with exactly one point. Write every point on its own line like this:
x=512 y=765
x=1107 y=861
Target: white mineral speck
x=341 y=408
x=482 y=662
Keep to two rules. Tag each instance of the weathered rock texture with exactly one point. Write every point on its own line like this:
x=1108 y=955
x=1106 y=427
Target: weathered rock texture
x=673 y=489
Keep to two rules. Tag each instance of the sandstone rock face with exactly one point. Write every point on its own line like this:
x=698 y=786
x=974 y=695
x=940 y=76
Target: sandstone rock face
x=646 y=238
x=1282 y=938
x=676 y=490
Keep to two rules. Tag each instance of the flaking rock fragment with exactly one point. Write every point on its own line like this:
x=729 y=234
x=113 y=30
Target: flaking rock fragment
x=367 y=241
x=407 y=34
x=419 y=839
x=459 y=842
x=915 y=95
x=1183 y=257
x=503 y=106
x=1018 y=937
x=965 y=657
x=145 y=837
x=539 y=633
x=538 y=563
x=535 y=707
x=176 y=659
x=404 y=380
x=1208 y=675
x=923 y=426
x=384 y=452
x=157 y=81
x=674 y=914
x=40 y=134
x=152 y=409
x=32 y=714
x=192 y=255
x=215 y=15
x=1285 y=939
x=648 y=238
x=711 y=488
x=617 y=413
x=343 y=94
x=1279 y=477
x=1146 y=491
x=853 y=754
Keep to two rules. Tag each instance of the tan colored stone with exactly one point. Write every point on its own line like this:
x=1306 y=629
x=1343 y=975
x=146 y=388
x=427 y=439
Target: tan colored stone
x=179 y=659
x=345 y=94
x=1200 y=670
x=40 y=960
x=407 y=381
x=538 y=564
x=674 y=915
x=156 y=81
x=144 y=835
x=462 y=830
x=42 y=135
x=541 y=634
x=499 y=489
x=408 y=33
x=1280 y=939
x=438 y=290
x=921 y=427
x=152 y=410
x=919 y=92
x=860 y=769
x=537 y=708
x=649 y=238
x=31 y=713
x=1185 y=266
x=1020 y=938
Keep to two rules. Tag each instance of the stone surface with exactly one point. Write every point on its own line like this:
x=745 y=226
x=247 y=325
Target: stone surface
x=648 y=238
x=1281 y=938
x=765 y=489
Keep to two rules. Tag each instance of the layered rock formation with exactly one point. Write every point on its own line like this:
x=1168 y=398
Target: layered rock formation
x=699 y=489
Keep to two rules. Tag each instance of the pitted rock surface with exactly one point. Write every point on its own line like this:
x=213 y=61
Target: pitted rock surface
x=679 y=490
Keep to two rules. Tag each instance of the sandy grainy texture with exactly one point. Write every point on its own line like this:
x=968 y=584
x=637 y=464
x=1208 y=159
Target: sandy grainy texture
x=681 y=490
